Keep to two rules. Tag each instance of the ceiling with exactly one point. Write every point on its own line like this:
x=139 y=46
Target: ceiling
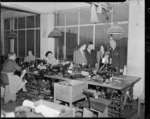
x=42 y=7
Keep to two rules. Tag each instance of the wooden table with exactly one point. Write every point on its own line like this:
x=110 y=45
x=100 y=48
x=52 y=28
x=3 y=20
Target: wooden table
x=126 y=84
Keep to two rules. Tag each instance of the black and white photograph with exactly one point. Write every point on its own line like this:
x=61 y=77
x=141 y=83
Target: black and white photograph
x=73 y=59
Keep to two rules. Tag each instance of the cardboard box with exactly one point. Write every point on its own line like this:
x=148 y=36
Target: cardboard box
x=69 y=93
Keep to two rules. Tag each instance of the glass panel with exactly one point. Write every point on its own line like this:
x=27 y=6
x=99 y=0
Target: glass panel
x=37 y=20
x=6 y=24
x=61 y=19
x=21 y=42
x=16 y=23
x=30 y=40
x=124 y=40
x=6 y=42
x=59 y=45
x=21 y=23
x=101 y=37
x=15 y=44
x=85 y=16
x=37 y=43
x=71 y=41
x=121 y=12
x=86 y=34
x=72 y=18
x=30 y=22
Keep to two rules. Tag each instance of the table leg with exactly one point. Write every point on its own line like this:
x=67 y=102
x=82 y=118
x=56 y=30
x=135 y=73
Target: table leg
x=131 y=95
x=121 y=103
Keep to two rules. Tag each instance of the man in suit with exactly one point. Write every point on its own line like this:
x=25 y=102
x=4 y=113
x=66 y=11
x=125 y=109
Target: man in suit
x=117 y=56
x=90 y=55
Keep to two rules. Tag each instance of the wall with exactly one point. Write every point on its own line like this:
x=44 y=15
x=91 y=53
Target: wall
x=47 y=25
x=136 y=41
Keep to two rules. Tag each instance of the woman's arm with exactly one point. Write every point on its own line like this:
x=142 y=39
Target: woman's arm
x=15 y=65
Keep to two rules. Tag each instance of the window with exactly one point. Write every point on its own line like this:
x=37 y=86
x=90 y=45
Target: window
x=7 y=24
x=21 y=42
x=37 y=43
x=7 y=42
x=21 y=23
x=30 y=40
x=59 y=45
x=121 y=12
x=30 y=22
x=61 y=19
x=16 y=23
x=86 y=34
x=37 y=21
x=72 y=18
x=85 y=15
x=101 y=36
x=28 y=35
x=15 y=44
x=71 y=41
x=83 y=31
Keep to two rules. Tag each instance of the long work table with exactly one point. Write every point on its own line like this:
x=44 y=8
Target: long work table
x=122 y=83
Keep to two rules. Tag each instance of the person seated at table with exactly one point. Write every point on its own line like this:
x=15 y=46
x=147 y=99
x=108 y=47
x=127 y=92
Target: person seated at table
x=50 y=59
x=9 y=67
x=79 y=55
x=30 y=57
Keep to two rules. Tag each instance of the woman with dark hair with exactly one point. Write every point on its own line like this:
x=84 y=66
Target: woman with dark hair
x=79 y=55
x=102 y=56
x=50 y=59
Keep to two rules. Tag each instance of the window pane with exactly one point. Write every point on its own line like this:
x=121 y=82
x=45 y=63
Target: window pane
x=121 y=12
x=16 y=23
x=15 y=44
x=37 y=20
x=124 y=40
x=61 y=19
x=101 y=37
x=7 y=24
x=72 y=18
x=71 y=41
x=21 y=23
x=6 y=42
x=86 y=34
x=30 y=40
x=37 y=43
x=59 y=45
x=85 y=16
x=30 y=22
x=21 y=42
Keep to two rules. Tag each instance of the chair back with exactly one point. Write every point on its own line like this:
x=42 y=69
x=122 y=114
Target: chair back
x=4 y=79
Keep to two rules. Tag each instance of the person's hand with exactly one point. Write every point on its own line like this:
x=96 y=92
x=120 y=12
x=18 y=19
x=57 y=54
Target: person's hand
x=121 y=70
x=24 y=71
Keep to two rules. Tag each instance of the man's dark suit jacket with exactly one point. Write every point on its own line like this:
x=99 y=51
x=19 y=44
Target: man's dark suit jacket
x=118 y=58
x=91 y=58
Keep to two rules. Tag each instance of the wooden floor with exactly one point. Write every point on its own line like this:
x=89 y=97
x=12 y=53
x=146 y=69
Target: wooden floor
x=132 y=115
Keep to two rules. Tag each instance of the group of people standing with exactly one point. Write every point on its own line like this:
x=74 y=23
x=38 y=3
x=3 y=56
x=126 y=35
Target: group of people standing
x=86 y=55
